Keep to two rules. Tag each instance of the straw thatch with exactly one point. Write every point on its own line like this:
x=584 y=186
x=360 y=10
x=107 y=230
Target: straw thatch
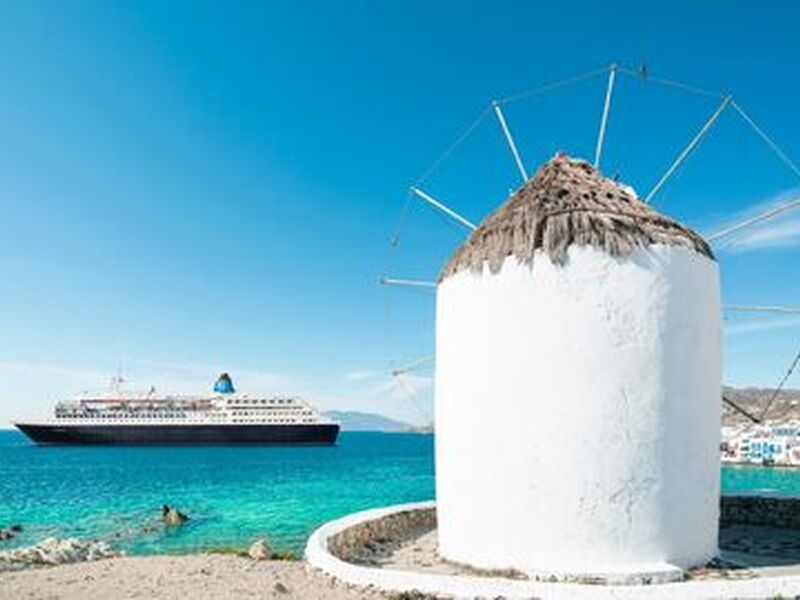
x=569 y=202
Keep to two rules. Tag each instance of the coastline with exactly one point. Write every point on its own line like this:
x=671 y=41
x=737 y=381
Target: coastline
x=745 y=463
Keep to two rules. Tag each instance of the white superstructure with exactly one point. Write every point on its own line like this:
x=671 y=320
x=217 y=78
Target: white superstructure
x=144 y=409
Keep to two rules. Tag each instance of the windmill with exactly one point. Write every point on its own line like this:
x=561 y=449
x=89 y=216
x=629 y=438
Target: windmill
x=726 y=103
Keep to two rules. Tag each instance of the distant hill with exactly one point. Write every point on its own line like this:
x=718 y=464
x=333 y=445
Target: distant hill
x=361 y=421
x=754 y=400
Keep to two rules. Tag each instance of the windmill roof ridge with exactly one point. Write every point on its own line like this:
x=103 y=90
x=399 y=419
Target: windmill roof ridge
x=569 y=202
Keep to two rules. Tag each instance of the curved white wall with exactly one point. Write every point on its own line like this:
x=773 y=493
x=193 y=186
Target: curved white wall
x=578 y=413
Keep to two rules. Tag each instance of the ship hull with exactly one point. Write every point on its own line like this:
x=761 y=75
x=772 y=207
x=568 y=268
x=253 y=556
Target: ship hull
x=317 y=434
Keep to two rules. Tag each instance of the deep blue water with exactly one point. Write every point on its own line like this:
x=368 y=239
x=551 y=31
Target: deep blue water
x=233 y=494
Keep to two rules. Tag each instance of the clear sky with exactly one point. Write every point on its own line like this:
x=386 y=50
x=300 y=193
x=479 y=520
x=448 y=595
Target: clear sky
x=192 y=186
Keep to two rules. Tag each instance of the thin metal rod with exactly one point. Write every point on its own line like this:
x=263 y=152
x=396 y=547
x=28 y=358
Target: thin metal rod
x=507 y=132
x=612 y=74
x=768 y=140
x=789 y=310
x=773 y=212
x=448 y=211
x=408 y=282
x=739 y=409
x=688 y=150
x=413 y=365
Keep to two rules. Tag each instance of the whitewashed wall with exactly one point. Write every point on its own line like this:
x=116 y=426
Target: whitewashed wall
x=578 y=413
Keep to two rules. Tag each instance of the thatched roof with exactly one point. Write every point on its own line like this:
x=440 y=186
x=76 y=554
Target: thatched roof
x=569 y=202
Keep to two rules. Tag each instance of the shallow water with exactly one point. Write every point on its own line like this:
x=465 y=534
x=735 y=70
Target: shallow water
x=233 y=494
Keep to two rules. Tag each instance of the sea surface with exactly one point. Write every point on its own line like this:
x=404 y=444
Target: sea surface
x=233 y=495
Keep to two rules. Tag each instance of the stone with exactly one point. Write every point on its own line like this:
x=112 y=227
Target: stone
x=260 y=550
x=53 y=551
x=10 y=532
x=280 y=588
x=172 y=516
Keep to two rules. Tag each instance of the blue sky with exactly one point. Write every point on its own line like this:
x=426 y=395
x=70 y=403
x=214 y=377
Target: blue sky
x=191 y=186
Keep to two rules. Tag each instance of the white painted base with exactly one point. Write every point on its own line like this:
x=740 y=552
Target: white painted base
x=634 y=574
x=469 y=586
x=578 y=413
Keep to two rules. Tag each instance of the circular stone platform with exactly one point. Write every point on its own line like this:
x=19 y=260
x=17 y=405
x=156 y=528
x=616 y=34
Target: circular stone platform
x=394 y=549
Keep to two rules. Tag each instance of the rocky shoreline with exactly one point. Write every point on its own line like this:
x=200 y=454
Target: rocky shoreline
x=53 y=551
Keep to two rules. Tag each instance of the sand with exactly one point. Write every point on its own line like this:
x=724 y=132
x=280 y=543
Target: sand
x=201 y=576
x=765 y=551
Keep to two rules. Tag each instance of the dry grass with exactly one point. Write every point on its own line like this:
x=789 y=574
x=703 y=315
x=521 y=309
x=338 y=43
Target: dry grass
x=569 y=202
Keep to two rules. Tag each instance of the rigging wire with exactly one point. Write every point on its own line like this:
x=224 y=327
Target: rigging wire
x=785 y=207
x=412 y=397
x=777 y=390
x=643 y=76
x=394 y=240
x=454 y=146
x=389 y=254
x=415 y=365
x=552 y=86
x=768 y=140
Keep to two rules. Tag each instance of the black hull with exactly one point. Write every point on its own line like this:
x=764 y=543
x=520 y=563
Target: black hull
x=320 y=434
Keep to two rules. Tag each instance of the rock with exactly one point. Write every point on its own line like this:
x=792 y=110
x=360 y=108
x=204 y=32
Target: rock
x=280 y=588
x=260 y=550
x=10 y=532
x=53 y=551
x=172 y=516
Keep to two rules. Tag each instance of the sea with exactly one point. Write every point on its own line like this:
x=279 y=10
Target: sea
x=233 y=495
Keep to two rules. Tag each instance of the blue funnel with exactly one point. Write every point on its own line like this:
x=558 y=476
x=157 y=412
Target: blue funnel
x=224 y=384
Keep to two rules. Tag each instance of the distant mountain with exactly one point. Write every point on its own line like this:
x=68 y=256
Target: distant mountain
x=361 y=421
x=785 y=406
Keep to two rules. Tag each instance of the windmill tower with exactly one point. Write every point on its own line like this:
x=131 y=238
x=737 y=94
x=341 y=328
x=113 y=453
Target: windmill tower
x=577 y=386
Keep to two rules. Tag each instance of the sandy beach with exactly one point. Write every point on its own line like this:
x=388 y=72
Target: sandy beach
x=204 y=576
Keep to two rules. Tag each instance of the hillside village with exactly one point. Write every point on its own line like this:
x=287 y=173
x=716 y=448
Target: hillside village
x=773 y=441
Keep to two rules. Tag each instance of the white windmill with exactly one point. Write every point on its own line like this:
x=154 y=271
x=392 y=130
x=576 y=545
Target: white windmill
x=578 y=372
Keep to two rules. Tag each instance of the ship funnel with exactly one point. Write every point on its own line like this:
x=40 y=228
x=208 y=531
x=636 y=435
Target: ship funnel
x=224 y=384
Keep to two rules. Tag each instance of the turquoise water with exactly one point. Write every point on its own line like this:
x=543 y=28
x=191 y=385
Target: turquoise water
x=773 y=481
x=233 y=495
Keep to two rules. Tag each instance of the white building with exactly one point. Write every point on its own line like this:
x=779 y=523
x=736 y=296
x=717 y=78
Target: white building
x=578 y=386
x=773 y=443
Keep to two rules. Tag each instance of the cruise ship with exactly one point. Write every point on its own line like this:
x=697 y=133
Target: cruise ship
x=224 y=417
